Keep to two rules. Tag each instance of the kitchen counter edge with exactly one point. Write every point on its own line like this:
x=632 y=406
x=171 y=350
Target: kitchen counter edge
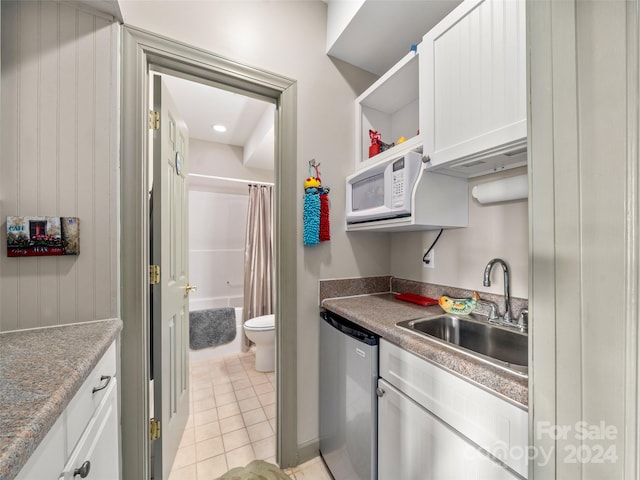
x=379 y=313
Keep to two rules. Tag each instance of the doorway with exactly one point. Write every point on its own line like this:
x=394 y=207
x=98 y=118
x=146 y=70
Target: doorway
x=232 y=411
x=142 y=52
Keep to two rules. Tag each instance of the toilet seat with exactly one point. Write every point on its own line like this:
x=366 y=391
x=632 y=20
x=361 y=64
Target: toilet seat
x=265 y=322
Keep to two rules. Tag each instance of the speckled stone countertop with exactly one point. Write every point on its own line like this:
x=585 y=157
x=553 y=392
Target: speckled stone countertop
x=379 y=313
x=40 y=372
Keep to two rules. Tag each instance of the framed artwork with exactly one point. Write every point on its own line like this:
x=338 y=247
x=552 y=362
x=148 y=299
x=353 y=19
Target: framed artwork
x=43 y=236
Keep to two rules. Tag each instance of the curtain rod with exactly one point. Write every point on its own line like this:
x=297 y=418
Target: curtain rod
x=227 y=179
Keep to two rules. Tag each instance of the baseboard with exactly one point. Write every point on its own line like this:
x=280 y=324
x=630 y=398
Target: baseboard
x=308 y=450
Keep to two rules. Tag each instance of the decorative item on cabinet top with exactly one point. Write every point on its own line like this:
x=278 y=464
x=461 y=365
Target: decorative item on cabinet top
x=42 y=236
x=316 y=227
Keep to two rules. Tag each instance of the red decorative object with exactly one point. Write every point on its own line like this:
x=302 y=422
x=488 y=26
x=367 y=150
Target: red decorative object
x=374 y=150
x=325 y=229
x=376 y=140
x=415 y=298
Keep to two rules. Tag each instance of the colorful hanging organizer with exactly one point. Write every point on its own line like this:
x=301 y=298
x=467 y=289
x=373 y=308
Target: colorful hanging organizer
x=316 y=208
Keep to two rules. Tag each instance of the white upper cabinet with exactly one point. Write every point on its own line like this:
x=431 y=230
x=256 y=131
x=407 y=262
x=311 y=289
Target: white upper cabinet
x=389 y=107
x=473 y=88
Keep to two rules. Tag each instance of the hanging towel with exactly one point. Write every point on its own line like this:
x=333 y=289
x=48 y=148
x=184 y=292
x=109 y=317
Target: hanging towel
x=325 y=233
x=208 y=328
x=311 y=219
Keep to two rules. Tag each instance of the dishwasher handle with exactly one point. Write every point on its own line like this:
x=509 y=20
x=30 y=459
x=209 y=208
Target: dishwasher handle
x=349 y=328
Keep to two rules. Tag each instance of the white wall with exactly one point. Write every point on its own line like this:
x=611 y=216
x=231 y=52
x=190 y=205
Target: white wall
x=217 y=222
x=495 y=230
x=217 y=225
x=60 y=158
x=259 y=151
x=211 y=158
x=340 y=14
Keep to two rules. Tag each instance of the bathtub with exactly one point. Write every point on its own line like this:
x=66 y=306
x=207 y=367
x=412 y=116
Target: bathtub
x=228 y=348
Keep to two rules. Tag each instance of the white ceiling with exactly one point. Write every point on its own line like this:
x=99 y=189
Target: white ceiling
x=382 y=31
x=202 y=106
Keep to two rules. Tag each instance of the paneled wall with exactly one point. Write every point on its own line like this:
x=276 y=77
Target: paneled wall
x=583 y=139
x=59 y=158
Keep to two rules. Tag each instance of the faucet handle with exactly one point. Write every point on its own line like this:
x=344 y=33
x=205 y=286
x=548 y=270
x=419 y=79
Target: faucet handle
x=523 y=320
x=493 y=309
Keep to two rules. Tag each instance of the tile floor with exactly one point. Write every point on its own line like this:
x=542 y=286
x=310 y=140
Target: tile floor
x=232 y=421
x=314 y=469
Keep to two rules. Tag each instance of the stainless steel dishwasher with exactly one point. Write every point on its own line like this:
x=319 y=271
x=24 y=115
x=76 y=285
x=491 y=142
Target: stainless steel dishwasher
x=348 y=402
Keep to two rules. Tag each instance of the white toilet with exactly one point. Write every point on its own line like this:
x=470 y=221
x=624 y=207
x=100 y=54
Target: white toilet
x=262 y=332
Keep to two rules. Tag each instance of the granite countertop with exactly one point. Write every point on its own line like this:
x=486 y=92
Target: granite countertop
x=379 y=313
x=40 y=372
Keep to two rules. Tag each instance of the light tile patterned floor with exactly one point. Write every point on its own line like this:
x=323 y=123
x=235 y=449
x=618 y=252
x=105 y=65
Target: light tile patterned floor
x=232 y=421
x=314 y=469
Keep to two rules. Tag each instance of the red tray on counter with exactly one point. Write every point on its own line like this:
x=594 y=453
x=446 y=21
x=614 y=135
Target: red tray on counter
x=415 y=298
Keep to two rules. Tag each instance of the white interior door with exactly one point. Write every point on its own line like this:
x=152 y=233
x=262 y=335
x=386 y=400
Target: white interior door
x=170 y=296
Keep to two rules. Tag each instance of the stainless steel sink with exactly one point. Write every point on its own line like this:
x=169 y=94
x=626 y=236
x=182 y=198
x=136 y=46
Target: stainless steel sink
x=499 y=345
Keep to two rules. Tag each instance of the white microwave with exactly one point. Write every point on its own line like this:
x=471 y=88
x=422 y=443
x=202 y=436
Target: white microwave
x=383 y=191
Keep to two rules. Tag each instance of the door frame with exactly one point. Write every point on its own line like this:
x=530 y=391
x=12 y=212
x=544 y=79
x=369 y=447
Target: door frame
x=141 y=51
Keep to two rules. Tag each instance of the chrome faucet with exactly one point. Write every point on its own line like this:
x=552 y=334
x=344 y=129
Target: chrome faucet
x=487 y=283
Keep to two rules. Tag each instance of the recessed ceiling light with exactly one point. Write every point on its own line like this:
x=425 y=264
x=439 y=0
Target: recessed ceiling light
x=219 y=128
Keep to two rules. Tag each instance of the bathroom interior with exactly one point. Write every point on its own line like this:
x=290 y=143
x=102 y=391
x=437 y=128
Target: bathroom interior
x=232 y=378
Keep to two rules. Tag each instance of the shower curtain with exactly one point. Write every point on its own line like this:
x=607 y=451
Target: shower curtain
x=258 y=256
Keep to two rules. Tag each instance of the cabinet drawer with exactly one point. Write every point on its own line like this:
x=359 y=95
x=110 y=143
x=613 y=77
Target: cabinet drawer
x=492 y=423
x=47 y=461
x=86 y=400
x=97 y=450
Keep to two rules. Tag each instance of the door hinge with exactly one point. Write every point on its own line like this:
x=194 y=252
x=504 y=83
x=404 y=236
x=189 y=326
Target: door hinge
x=154 y=274
x=154 y=120
x=154 y=429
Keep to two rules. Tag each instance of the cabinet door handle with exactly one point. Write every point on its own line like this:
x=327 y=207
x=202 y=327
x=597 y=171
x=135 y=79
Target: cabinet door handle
x=380 y=391
x=102 y=387
x=83 y=471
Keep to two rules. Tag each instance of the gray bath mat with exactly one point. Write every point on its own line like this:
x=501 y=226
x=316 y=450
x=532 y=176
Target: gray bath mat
x=212 y=327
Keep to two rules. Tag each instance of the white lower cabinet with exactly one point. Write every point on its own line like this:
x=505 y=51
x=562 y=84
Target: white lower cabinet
x=84 y=441
x=433 y=425
x=96 y=455
x=413 y=443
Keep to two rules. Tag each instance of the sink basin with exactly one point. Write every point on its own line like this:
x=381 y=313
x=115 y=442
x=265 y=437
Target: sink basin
x=499 y=345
